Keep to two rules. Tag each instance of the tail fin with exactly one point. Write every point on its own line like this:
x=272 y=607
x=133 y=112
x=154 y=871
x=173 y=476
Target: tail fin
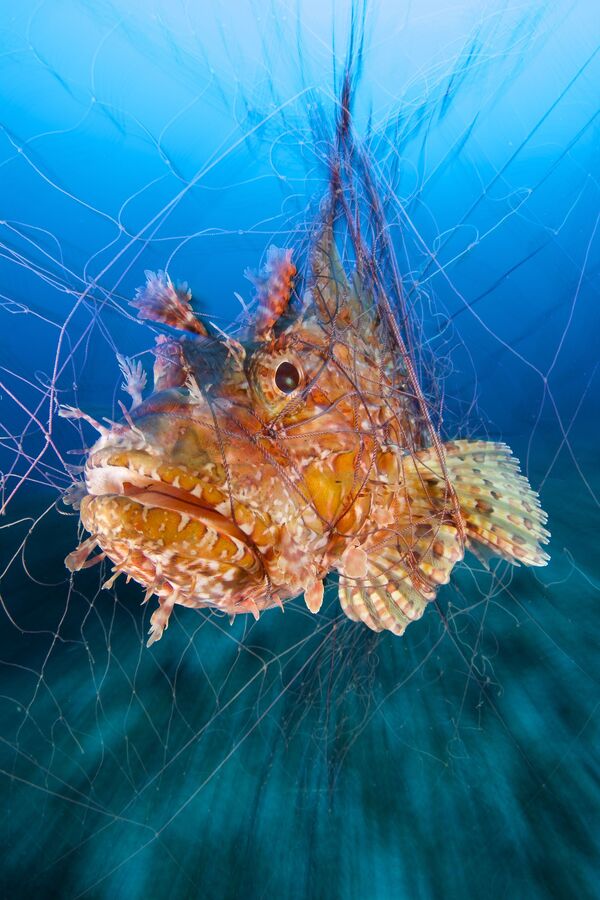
x=501 y=514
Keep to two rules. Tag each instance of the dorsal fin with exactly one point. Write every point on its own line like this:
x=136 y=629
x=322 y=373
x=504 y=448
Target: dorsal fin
x=328 y=285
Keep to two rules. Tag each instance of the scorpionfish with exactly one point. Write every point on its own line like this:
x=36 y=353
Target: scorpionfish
x=297 y=446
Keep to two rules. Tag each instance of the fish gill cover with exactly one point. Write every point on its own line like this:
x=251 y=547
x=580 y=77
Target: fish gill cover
x=428 y=177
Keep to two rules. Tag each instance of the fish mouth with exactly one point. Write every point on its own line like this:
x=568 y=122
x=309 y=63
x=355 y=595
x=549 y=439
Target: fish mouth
x=170 y=530
x=157 y=487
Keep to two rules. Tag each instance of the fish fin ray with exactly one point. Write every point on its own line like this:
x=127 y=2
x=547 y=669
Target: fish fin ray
x=404 y=572
x=501 y=513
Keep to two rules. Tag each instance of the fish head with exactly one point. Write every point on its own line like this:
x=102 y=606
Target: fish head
x=171 y=494
x=239 y=480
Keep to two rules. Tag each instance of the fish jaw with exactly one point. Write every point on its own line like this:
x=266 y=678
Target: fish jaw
x=172 y=527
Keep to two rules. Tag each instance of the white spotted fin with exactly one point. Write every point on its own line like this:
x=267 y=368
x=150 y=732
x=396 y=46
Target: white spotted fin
x=409 y=560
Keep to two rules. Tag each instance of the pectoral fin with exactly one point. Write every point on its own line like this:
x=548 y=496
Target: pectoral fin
x=501 y=513
x=406 y=563
x=404 y=571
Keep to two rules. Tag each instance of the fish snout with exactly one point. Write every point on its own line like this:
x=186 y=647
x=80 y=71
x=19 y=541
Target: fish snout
x=164 y=517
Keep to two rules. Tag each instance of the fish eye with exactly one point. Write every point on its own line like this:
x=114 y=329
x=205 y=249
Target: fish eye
x=287 y=377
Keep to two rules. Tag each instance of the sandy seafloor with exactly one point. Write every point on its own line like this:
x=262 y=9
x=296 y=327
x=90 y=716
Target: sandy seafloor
x=300 y=757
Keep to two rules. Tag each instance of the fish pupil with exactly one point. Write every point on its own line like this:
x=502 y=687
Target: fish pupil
x=287 y=377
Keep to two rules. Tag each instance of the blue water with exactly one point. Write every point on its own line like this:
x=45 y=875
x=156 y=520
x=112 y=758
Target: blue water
x=300 y=757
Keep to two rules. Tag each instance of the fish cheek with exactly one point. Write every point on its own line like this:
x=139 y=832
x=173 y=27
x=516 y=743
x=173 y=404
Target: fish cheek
x=330 y=484
x=324 y=491
x=190 y=448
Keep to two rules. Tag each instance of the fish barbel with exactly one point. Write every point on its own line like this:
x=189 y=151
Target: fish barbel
x=301 y=445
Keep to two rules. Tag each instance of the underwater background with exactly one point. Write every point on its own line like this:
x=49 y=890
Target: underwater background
x=300 y=756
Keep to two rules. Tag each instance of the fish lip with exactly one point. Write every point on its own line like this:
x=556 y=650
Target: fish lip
x=157 y=494
x=106 y=480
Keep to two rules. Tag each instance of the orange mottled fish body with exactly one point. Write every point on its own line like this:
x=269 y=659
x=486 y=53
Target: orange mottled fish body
x=298 y=447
